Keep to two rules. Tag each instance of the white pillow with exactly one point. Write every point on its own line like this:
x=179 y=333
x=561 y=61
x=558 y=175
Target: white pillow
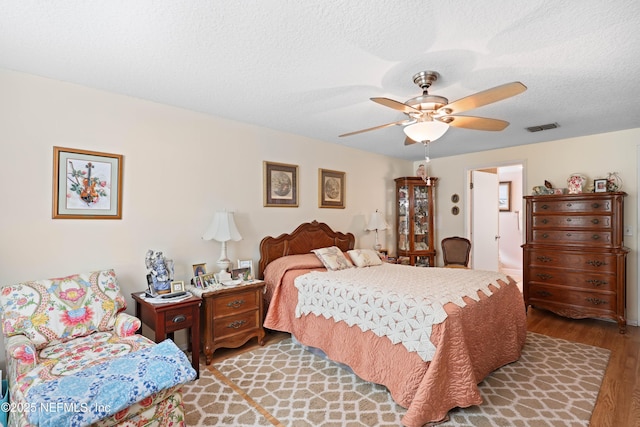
x=332 y=258
x=365 y=257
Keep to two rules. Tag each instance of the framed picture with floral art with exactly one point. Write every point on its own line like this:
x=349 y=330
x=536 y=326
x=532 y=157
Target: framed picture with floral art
x=86 y=184
x=331 y=189
x=280 y=185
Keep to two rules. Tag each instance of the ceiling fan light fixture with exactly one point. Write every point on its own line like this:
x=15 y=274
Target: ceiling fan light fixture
x=426 y=131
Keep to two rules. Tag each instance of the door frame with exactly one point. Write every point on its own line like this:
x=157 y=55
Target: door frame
x=491 y=165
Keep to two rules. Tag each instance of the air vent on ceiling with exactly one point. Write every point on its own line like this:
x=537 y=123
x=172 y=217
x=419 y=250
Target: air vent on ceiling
x=542 y=127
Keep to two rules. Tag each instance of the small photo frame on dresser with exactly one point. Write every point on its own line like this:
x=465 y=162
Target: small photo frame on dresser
x=599 y=185
x=177 y=286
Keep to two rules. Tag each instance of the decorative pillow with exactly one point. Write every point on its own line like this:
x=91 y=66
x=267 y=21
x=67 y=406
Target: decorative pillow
x=365 y=257
x=332 y=258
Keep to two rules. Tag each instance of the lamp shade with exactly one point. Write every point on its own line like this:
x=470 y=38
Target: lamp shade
x=377 y=222
x=426 y=131
x=222 y=228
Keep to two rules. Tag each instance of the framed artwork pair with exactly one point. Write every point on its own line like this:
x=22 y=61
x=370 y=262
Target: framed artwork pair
x=281 y=186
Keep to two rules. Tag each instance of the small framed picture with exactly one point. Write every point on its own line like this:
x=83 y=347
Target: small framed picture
x=241 y=274
x=199 y=269
x=599 y=185
x=177 y=286
x=331 y=189
x=209 y=279
x=246 y=263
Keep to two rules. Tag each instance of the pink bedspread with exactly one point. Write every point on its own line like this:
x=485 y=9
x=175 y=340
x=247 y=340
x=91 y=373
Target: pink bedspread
x=471 y=343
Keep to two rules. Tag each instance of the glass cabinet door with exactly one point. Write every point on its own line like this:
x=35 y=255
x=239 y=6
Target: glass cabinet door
x=420 y=219
x=403 y=218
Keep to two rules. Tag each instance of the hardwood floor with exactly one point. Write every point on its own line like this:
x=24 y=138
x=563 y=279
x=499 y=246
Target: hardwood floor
x=618 y=403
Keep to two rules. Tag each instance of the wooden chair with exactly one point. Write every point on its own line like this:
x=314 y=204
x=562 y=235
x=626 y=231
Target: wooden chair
x=456 y=251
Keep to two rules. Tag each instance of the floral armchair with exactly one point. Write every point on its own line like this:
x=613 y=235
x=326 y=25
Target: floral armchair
x=74 y=358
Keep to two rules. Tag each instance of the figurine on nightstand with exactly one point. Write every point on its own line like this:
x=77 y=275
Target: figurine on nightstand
x=161 y=271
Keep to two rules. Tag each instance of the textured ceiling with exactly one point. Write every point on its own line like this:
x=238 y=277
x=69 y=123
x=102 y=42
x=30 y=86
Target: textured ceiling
x=309 y=67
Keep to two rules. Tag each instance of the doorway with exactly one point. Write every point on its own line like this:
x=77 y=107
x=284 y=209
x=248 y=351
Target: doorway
x=502 y=249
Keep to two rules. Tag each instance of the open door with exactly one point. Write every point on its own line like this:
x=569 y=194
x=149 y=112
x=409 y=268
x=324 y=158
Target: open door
x=484 y=221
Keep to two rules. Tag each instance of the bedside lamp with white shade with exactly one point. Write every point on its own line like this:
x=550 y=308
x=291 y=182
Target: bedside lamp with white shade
x=377 y=222
x=222 y=229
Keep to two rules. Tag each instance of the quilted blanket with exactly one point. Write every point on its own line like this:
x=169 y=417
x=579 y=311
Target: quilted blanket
x=102 y=390
x=400 y=303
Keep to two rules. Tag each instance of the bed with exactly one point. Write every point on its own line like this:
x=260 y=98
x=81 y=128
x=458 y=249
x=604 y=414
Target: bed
x=477 y=334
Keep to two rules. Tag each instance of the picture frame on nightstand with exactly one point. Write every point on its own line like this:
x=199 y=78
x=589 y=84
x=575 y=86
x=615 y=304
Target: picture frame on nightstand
x=246 y=263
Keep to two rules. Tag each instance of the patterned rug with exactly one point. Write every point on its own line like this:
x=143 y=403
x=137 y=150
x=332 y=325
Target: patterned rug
x=555 y=383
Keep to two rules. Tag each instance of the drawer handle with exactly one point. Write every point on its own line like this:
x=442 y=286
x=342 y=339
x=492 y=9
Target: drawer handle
x=595 y=237
x=568 y=234
x=569 y=205
x=595 y=205
x=596 y=301
x=237 y=324
x=596 y=263
x=544 y=293
x=545 y=235
x=235 y=304
x=568 y=219
x=597 y=282
x=544 y=259
x=595 y=221
x=179 y=318
x=545 y=221
x=545 y=206
x=544 y=276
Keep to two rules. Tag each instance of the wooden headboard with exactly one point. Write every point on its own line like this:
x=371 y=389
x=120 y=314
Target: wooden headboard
x=308 y=236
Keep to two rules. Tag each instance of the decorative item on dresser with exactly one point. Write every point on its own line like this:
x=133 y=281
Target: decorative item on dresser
x=414 y=220
x=574 y=258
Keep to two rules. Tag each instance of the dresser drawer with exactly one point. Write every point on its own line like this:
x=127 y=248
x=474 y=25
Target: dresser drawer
x=591 y=238
x=576 y=279
x=603 y=301
x=594 y=222
x=595 y=262
x=236 y=324
x=235 y=303
x=178 y=318
x=557 y=206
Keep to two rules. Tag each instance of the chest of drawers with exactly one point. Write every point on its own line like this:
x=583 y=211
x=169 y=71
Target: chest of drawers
x=574 y=260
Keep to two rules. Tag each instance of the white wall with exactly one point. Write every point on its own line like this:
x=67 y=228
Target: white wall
x=179 y=168
x=555 y=161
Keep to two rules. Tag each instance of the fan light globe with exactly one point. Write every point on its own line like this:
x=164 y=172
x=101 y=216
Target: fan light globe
x=426 y=131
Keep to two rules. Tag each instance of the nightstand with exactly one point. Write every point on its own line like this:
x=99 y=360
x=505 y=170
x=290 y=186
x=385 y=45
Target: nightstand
x=231 y=317
x=166 y=318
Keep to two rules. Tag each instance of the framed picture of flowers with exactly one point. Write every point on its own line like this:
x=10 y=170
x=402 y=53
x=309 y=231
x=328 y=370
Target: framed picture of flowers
x=86 y=184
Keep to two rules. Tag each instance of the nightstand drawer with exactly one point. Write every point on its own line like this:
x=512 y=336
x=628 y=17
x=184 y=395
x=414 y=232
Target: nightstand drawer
x=235 y=303
x=177 y=319
x=236 y=324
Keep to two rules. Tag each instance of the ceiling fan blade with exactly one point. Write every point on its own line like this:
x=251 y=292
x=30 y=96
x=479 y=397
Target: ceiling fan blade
x=485 y=97
x=401 y=122
x=396 y=105
x=475 y=123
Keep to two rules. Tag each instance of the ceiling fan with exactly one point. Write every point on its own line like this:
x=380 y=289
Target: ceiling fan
x=429 y=116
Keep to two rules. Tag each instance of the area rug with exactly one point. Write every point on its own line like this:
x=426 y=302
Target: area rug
x=555 y=383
